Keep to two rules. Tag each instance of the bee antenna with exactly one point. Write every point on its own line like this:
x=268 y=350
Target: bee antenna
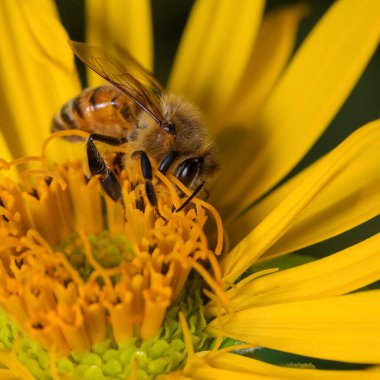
x=188 y=200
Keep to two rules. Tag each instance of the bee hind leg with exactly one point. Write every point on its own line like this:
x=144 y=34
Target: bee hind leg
x=98 y=166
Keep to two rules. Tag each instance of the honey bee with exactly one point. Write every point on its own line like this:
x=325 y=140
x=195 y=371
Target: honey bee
x=134 y=111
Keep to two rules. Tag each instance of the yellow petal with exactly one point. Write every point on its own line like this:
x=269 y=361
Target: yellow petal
x=286 y=213
x=235 y=366
x=343 y=272
x=5 y=153
x=214 y=51
x=274 y=44
x=206 y=372
x=344 y=328
x=7 y=374
x=37 y=73
x=309 y=94
x=115 y=24
x=324 y=220
x=349 y=199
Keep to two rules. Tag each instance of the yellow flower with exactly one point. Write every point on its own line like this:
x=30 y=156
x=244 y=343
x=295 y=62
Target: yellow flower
x=91 y=290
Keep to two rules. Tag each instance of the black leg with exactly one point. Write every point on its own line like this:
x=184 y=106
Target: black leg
x=167 y=161
x=109 y=140
x=146 y=169
x=98 y=166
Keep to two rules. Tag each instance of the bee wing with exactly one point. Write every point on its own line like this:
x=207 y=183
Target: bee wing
x=143 y=91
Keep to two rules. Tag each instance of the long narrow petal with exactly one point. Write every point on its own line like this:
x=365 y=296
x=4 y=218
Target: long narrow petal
x=5 y=152
x=311 y=91
x=230 y=366
x=37 y=72
x=8 y=374
x=283 y=217
x=343 y=272
x=349 y=199
x=125 y=24
x=215 y=50
x=344 y=328
x=324 y=220
x=274 y=44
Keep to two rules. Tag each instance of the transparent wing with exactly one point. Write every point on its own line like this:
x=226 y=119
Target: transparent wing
x=127 y=75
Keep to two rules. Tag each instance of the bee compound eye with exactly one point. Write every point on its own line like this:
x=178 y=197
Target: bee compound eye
x=188 y=170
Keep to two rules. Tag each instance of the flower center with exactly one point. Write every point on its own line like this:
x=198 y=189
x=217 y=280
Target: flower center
x=98 y=283
x=164 y=353
x=107 y=250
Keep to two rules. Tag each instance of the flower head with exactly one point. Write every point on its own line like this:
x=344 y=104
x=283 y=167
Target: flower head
x=92 y=288
x=109 y=276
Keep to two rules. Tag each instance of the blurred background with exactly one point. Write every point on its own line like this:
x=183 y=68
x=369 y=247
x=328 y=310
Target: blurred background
x=362 y=106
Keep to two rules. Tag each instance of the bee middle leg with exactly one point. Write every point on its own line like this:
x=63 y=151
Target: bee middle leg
x=146 y=168
x=98 y=166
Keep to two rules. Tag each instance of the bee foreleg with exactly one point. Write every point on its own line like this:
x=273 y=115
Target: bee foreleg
x=109 y=140
x=98 y=166
x=146 y=168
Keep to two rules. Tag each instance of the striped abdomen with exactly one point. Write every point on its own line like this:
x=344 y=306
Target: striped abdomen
x=104 y=110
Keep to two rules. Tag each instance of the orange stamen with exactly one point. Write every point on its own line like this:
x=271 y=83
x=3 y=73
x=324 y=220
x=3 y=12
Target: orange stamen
x=187 y=339
x=210 y=281
x=173 y=192
x=4 y=165
x=44 y=173
x=215 y=266
x=56 y=135
x=135 y=370
x=219 y=351
x=256 y=275
x=215 y=214
x=23 y=160
x=97 y=267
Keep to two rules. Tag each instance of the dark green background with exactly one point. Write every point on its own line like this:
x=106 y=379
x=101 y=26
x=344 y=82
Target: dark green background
x=363 y=105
